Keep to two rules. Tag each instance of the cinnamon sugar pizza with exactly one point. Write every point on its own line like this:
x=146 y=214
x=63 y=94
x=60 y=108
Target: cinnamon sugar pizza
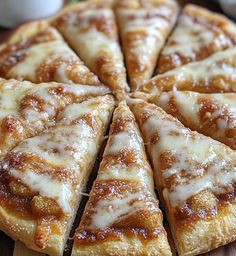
x=55 y=115
x=26 y=109
x=211 y=75
x=198 y=34
x=122 y=216
x=144 y=27
x=91 y=30
x=195 y=177
x=42 y=177
x=213 y=115
x=37 y=52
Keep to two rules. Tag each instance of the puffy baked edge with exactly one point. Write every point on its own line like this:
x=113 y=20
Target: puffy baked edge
x=126 y=247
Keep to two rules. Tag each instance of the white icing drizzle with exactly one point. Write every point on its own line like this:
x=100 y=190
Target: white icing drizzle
x=186 y=103
x=122 y=173
x=188 y=106
x=47 y=186
x=47 y=53
x=190 y=37
x=52 y=102
x=108 y=211
x=11 y=92
x=215 y=65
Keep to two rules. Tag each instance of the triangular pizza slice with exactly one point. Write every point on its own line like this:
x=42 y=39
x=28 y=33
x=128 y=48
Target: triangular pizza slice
x=195 y=177
x=122 y=216
x=198 y=34
x=90 y=28
x=213 y=115
x=41 y=179
x=144 y=27
x=37 y=52
x=26 y=109
x=211 y=75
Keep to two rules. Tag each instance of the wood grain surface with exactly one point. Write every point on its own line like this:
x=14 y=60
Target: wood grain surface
x=7 y=244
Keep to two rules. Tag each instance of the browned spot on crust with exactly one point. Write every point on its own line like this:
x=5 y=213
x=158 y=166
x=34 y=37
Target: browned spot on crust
x=154 y=138
x=45 y=206
x=119 y=124
x=11 y=124
x=46 y=71
x=85 y=237
x=142 y=219
x=16 y=187
x=102 y=61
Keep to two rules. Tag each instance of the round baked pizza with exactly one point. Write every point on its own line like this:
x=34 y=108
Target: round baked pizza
x=140 y=93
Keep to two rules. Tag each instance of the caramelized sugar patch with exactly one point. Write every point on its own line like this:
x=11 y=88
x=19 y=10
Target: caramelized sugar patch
x=20 y=206
x=101 y=23
x=204 y=205
x=125 y=157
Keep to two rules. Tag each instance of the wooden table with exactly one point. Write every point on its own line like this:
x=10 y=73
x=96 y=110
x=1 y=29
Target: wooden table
x=7 y=244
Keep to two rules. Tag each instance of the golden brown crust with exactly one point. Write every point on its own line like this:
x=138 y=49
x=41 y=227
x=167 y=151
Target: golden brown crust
x=126 y=246
x=30 y=29
x=208 y=234
x=24 y=230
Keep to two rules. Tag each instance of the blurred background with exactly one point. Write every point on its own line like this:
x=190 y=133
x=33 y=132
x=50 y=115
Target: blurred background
x=15 y=12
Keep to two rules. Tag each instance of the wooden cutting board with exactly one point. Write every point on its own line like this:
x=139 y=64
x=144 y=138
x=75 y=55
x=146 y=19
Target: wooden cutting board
x=9 y=248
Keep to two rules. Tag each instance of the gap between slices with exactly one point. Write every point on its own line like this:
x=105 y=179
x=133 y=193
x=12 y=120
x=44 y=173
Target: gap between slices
x=199 y=33
x=213 y=115
x=195 y=177
x=43 y=176
x=144 y=27
x=122 y=216
x=26 y=109
x=91 y=30
x=37 y=52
